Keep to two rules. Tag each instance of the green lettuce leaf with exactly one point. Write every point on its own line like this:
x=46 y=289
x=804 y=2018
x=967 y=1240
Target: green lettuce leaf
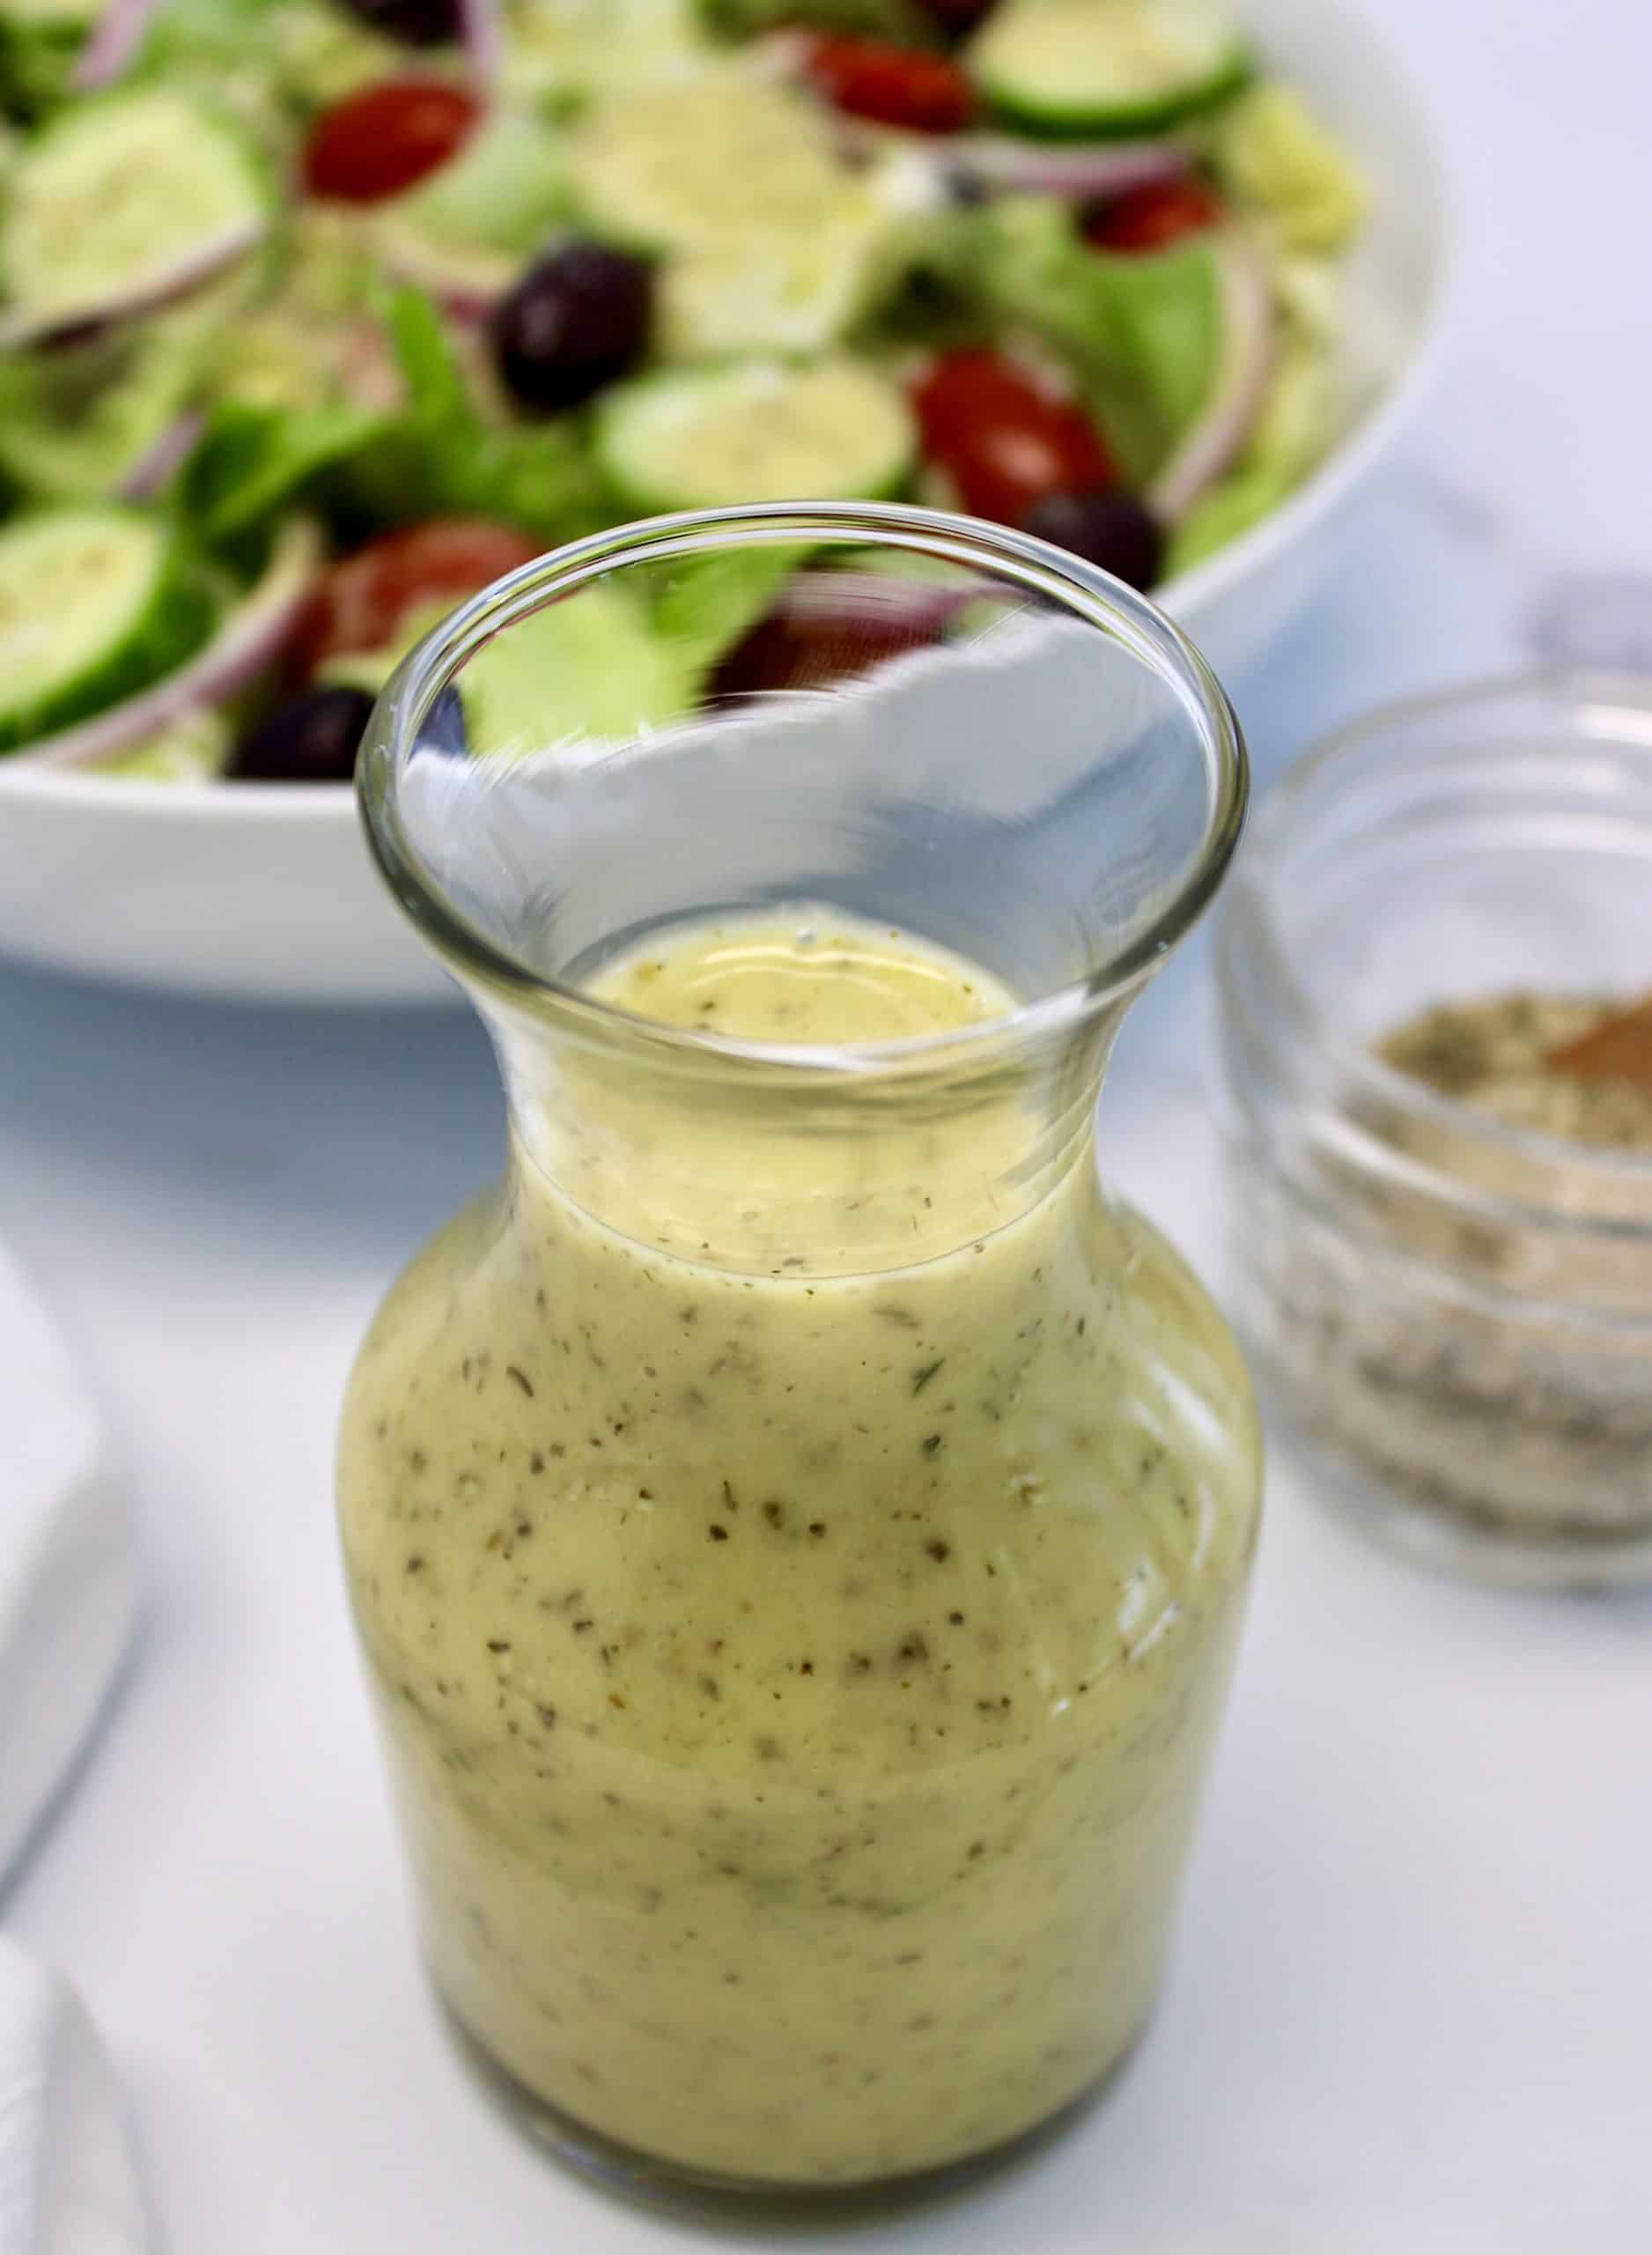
x=589 y=669
x=1274 y=156
x=436 y=391
x=1231 y=506
x=501 y=192
x=252 y=461
x=76 y=417
x=1295 y=425
x=438 y=455
x=192 y=748
x=38 y=48
x=559 y=54
x=1141 y=334
x=709 y=601
x=273 y=61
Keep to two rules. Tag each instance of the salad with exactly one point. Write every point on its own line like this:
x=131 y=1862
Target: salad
x=316 y=315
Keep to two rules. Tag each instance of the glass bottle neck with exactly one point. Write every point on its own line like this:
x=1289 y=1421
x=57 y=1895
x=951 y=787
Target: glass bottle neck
x=765 y=1170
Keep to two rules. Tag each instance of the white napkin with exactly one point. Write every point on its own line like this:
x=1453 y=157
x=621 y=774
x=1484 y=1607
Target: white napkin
x=67 y=1591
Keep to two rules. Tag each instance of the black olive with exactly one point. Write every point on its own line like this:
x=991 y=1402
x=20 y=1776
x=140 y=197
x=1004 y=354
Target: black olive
x=577 y=318
x=313 y=738
x=1112 y=530
x=416 y=23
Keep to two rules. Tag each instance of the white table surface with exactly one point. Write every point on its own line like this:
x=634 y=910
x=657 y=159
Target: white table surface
x=1411 y=2010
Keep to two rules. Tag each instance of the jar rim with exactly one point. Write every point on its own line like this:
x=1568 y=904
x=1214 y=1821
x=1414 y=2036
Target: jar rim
x=1082 y=590
x=1249 y=933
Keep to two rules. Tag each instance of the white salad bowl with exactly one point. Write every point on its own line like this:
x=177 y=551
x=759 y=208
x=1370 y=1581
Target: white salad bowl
x=263 y=891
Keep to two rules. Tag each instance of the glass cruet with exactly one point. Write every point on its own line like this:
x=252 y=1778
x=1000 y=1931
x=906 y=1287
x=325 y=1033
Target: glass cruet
x=797 y=1523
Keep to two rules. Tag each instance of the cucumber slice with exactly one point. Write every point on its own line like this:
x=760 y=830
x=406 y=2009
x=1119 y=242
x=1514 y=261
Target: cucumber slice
x=1079 y=67
x=755 y=431
x=117 y=199
x=94 y=604
x=699 y=164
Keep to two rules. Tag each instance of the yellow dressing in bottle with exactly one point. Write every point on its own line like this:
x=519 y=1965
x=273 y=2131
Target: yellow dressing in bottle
x=799 y=1576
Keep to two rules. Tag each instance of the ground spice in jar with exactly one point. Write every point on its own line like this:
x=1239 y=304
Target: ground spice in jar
x=1470 y=1318
x=1529 y=1061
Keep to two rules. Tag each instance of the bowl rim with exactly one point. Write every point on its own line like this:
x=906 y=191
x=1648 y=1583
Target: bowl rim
x=1332 y=482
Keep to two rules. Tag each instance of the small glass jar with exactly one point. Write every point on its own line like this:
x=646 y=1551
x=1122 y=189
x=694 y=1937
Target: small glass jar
x=798 y=1523
x=1455 y=1312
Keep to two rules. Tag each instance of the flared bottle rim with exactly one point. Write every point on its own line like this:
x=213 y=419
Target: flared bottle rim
x=1049 y=575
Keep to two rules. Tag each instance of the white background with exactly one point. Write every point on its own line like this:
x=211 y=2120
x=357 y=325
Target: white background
x=1410 y=2011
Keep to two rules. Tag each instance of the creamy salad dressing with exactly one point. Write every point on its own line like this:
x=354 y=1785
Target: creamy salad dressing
x=798 y=1682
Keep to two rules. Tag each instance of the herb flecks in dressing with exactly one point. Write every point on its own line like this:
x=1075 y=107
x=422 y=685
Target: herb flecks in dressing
x=799 y=1696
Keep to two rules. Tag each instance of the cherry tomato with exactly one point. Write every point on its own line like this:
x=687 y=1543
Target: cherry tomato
x=1152 y=217
x=896 y=86
x=364 y=597
x=1003 y=439
x=375 y=144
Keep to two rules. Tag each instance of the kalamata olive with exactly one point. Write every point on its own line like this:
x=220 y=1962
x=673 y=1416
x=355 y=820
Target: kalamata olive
x=781 y=652
x=1105 y=527
x=959 y=16
x=416 y=23
x=313 y=738
x=577 y=318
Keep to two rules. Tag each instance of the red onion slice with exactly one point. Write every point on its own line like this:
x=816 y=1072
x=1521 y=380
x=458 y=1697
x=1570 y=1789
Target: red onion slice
x=850 y=599
x=249 y=639
x=479 y=36
x=111 y=45
x=1241 y=382
x=155 y=465
x=1075 y=171
x=206 y=259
